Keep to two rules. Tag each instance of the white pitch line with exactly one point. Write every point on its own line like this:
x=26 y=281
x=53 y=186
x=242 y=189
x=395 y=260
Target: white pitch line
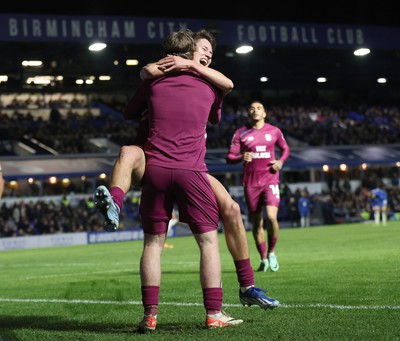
x=316 y=305
x=85 y=273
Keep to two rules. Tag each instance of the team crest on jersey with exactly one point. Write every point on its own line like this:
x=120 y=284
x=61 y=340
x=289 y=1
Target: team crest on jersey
x=268 y=137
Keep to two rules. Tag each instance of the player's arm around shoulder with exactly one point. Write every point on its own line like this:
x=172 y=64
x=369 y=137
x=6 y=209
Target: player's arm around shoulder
x=215 y=77
x=168 y=64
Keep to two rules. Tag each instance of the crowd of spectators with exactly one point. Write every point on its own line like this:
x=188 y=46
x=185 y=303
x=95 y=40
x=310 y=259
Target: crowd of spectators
x=312 y=125
x=69 y=134
x=65 y=135
x=318 y=125
x=40 y=217
x=341 y=205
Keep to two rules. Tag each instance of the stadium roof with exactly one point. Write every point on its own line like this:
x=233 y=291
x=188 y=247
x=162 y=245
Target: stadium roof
x=300 y=158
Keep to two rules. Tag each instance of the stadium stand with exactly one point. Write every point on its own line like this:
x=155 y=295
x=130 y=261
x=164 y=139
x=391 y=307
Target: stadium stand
x=74 y=132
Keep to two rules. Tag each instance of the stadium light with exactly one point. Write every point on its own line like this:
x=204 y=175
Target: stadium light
x=32 y=63
x=97 y=47
x=244 y=49
x=103 y=176
x=362 y=52
x=132 y=62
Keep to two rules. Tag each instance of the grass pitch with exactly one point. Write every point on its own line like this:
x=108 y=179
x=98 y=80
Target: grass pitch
x=335 y=283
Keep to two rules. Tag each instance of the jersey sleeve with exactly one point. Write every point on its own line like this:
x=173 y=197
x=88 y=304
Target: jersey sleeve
x=234 y=154
x=283 y=146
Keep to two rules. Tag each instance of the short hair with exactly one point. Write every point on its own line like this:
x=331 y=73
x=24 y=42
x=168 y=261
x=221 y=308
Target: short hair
x=257 y=101
x=204 y=34
x=180 y=43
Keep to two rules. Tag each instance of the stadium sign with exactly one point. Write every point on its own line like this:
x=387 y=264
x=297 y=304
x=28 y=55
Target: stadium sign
x=148 y=30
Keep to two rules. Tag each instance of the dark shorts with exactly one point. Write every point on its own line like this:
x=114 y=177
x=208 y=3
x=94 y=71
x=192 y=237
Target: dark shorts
x=257 y=197
x=190 y=190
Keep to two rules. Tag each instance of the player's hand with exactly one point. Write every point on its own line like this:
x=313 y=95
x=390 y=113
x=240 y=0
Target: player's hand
x=276 y=165
x=173 y=64
x=248 y=156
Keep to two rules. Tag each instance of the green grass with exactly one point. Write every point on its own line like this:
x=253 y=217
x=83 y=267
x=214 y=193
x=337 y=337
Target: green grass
x=335 y=283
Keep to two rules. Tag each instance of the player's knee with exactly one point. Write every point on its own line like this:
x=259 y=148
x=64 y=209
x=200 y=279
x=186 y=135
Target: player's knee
x=231 y=210
x=273 y=219
x=131 y=155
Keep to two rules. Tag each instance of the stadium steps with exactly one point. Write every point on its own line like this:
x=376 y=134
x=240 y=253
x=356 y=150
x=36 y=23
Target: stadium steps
x=30 y=146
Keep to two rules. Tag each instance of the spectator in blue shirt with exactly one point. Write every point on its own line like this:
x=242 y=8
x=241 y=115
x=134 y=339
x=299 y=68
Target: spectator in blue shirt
x=304 y=206
x=378 y=200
